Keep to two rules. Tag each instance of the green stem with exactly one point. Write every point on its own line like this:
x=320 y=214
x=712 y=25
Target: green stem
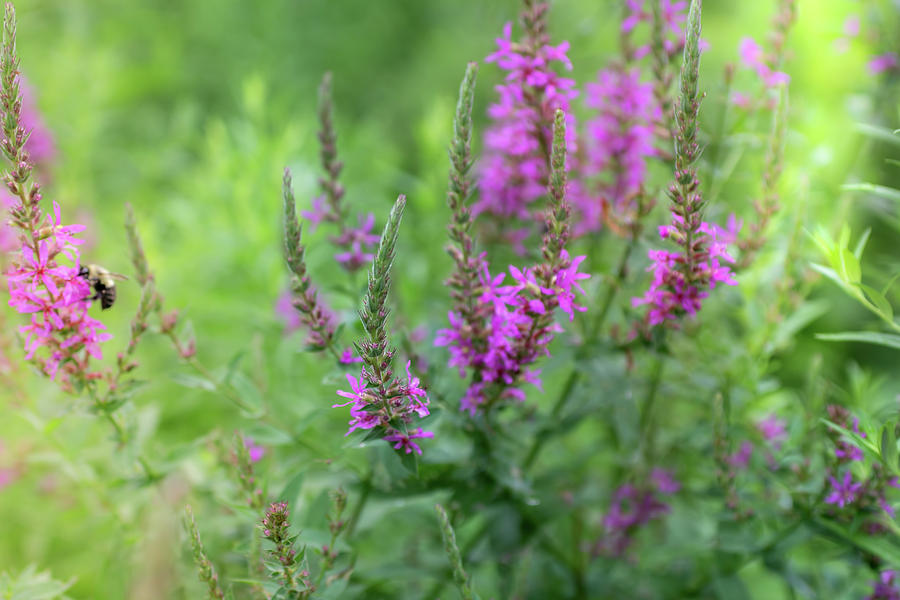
x=357 y=511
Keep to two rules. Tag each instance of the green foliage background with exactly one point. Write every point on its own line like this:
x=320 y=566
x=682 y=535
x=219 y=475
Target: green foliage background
x=190 y=110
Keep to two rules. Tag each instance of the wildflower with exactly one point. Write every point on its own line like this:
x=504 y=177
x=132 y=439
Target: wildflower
x=511 y=326
x=319 y=213
x=254 y=450
x=772 y=429
x=378 y=399
x=405 y=440
x=741 y=458
x=753 y=57
x=516 y=161
x=284 y=309
x=620 y=139
x=313 y=313
x=843 y=492
x=205 y=569
x=633 y=506
x=885 y=587
x=672 y=17
x=883 y=62
x=348 y=358
x=276 y=529
x=680 y=279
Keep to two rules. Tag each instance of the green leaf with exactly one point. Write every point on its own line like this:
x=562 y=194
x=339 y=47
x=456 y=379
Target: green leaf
x=876 y=190
x=885 y=310
x=871 y=337
x=878 y=133
x=194 y=381
x=850 y=270
x=861 y=243
x=889 y=447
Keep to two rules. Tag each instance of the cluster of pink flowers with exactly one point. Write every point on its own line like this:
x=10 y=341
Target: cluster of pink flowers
x=753 y=57
x=620 y=139
x=885 y=587
x=391 y=407
x=632 y=507
x=772 y=430
x=673 y=13
x=844 y=492
x=883 y=62
x=673 y=291
x=516 y=330
x=887 y=61
x=517 y=145
x=60 y=335
x=61 y=332
x=356 y=243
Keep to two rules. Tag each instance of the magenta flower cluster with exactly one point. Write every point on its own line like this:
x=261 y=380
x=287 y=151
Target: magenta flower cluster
x=633 y=506
x=517 y=145
x=885 y=587
x=673 y=292
x=391 y=407
x=516 y=330
x=620 y=140
x=844 y=491
x=57 y=298
x=673 y=14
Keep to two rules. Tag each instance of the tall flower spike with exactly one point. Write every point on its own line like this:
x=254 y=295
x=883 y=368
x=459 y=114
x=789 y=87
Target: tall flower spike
x=60 y=336
x=331 y=186
x=516 y=160
x=557 y=233
x=766 y=206
x=376 y=354
x=205 y=569
x=662 y=72
x=680 y=278
x=514 y=325
x=313 y=313
x=379 y=400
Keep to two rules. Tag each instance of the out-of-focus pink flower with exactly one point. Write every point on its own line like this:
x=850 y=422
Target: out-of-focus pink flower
x=515 y=165
x=883 y=62
x=753 y=57
x=773 y=430
x=619 y=139
x=255 y=451
x=284 y=309
x=851 y=26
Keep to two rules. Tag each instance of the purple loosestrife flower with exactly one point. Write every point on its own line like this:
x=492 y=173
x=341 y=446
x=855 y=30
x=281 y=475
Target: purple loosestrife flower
x=632 y=507
x=516 y=162
x=60 y=334
x=313 y=313
x=619 y=141
x=882 y=63
x=378 y=399
x=509 y=327
x=276 y=529
x=844 y=491
x=205 y=569
x=753 y=57
x=885 y=587
x=405 y=441
x=773 y=430
x=681 y=278
x=741 y=457
x=671 y=15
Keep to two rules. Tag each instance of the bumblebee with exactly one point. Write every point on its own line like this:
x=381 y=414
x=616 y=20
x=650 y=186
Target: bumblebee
x=103 y=282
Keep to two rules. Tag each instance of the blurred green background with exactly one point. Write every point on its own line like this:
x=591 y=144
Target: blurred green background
x=189 y=110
